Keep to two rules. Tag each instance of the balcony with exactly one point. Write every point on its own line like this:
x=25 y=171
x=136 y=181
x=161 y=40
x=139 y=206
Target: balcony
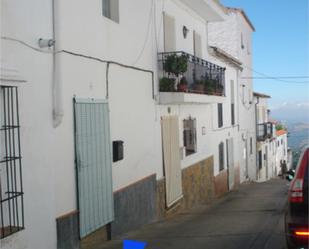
x=264 y=131
x=185 y=75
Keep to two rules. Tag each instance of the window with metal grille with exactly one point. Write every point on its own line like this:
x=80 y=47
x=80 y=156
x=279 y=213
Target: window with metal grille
x=221 y=156
x=11 y=187
x=189 y=136
x=220 y=115
x=110 y=9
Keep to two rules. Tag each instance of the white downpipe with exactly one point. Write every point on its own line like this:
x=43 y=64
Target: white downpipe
x=57 y=101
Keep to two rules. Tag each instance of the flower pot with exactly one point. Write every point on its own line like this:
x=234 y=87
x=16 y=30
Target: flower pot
x=182 y=88
x=199 y=88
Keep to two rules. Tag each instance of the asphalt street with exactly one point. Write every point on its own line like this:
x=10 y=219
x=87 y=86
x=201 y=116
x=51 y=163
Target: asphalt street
x=251 y=217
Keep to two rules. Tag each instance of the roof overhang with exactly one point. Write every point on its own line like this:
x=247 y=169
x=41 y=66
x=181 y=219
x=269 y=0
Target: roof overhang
x=261 y=95
x=244 y=15
x=226 y=57
x=209 y=10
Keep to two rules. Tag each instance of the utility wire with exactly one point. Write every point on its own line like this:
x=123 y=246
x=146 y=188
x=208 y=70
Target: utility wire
x=278 y=77
x=147 y=34
x=151 y=13
x=275 y=78
x=27 y=45
x=107 y=62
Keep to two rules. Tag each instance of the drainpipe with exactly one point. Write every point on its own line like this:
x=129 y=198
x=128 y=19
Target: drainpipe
x=57 y=103
x=256 y=136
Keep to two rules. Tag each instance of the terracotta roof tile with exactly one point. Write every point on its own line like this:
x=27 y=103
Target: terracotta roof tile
x=280 y=132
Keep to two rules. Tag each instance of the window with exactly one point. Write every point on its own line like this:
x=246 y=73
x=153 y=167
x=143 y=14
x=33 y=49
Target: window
x=232 y=103
x=260 y=159
x=233 y=114
x=221 y=156
x=251 y=146
x=220 y=115
x=189 y=136
x=242 y=41
x=110 y=9
x=248 y=48
x=11 y=189
x=281 y=141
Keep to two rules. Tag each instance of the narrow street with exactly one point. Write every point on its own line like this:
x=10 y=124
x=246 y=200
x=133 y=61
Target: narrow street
x=249 y=218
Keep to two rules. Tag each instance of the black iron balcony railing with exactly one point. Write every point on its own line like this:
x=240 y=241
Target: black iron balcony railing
x=183 y=72
x=264 y=131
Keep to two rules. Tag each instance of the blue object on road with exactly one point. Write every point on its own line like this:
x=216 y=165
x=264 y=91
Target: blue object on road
x=129 y=244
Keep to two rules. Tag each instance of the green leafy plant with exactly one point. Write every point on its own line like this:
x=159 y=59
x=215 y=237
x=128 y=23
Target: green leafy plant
x=210 y=86
x=176 y=64
x=279 y=127
x=167 y=84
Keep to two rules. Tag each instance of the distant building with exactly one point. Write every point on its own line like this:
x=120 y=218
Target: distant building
x=281 y=149
x=234 y=36
x=265 y=133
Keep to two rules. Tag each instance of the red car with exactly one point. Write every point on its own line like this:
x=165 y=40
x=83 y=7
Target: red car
x=296 y=218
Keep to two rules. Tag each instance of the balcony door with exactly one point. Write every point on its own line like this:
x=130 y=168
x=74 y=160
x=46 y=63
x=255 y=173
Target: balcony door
x=169 y=33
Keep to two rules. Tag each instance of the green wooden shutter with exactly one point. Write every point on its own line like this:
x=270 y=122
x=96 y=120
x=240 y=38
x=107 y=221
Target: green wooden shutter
x=93 y=161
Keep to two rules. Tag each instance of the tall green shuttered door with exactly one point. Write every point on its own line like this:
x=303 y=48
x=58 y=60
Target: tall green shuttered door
x=93 y=164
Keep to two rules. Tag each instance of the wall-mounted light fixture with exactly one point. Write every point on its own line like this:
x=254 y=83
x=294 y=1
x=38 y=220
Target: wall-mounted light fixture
x=185 y=31
x=46 y=43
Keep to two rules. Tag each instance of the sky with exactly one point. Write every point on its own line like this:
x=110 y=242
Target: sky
x=280 y=48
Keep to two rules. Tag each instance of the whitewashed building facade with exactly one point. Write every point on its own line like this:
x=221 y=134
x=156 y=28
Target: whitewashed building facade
x=99 y=142
x=234 y=36
x=265 y=133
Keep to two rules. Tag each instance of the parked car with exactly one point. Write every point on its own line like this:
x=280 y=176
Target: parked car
x=296 y=217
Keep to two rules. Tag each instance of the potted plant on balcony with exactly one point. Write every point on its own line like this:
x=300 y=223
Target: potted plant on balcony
x=167 y=84
x=175 y=66
x=199 y=86
x=220 y=90
x=182 y=85
x=210 y=86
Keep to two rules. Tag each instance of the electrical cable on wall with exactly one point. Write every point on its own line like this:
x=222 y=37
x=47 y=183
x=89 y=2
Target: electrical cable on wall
x=133 y=67
x=108 y=62
x=147 y=34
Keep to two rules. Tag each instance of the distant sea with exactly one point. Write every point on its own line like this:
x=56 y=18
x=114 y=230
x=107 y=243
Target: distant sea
x=298 y=137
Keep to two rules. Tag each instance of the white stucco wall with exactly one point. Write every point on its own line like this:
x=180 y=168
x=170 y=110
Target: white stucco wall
x=262 y=107
x=205 y=113
x=48 y=152
x=281 y=153
x=227 y=36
